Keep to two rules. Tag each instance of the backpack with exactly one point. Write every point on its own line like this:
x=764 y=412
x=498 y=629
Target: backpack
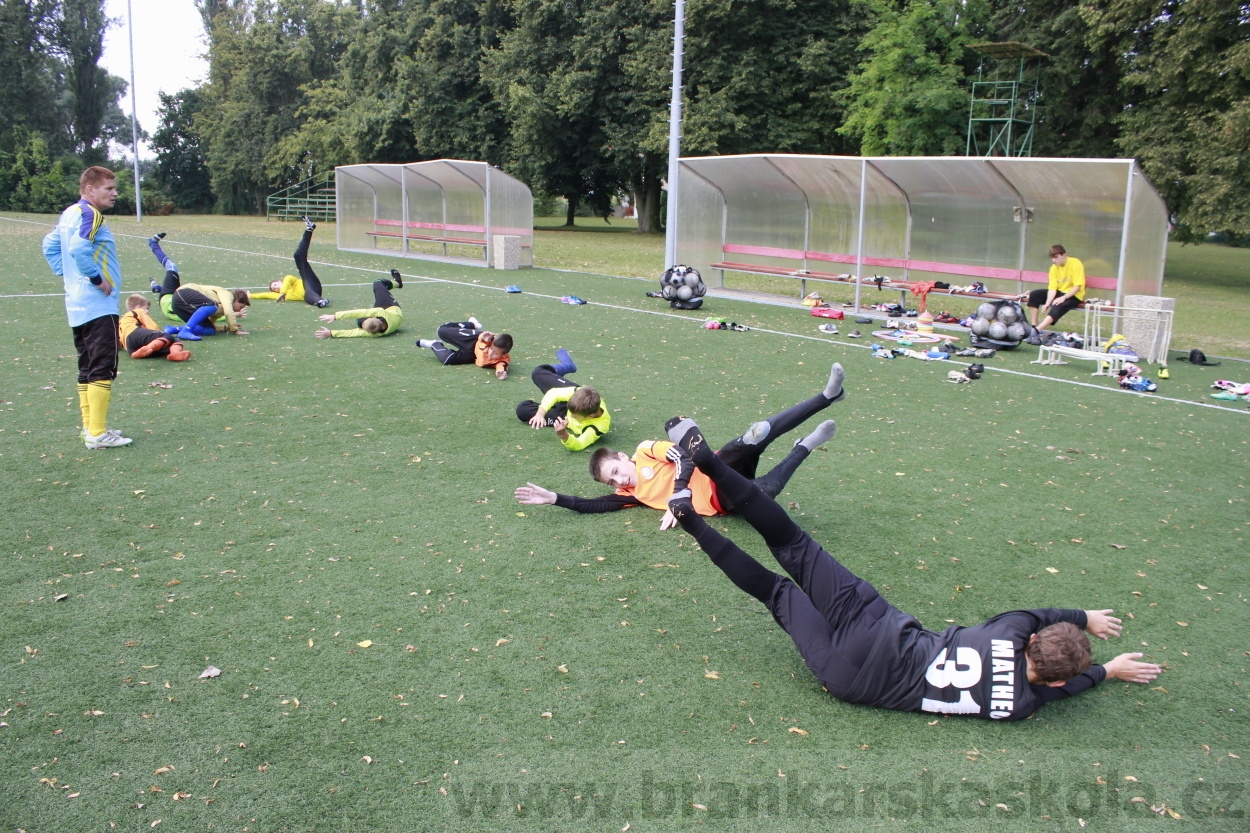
x=1198 y=357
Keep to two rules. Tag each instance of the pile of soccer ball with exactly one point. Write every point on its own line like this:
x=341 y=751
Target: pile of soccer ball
x=1000 y=324
x=683 y=287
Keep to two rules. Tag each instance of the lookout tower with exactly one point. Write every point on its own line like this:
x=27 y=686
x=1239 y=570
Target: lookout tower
x=1004 y=99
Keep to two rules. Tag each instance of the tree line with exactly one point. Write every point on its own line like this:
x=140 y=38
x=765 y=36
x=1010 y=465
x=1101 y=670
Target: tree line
x=60 y=110
x=571 y=96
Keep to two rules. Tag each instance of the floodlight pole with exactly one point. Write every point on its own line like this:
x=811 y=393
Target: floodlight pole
x=674 y=136
x=134 y=118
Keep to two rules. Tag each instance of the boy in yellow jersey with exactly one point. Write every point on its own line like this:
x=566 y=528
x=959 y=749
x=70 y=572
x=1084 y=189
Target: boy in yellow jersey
x=382 y=319
x=647 y=478
x=307 y=287
x=141 y=336
x=576 y=413
x=1064 y=292
x=82 y=252
x=199 y=308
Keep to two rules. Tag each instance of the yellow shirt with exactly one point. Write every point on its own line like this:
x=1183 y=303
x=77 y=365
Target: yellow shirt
x=1069 y=276
x=292 y=288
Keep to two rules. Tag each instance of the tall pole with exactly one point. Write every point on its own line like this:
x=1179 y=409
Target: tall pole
x=134 y=118
x=674 y=137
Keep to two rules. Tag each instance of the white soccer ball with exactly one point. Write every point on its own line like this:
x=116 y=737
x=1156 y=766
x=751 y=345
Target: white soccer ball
x=693 y=278
x=684 y=293
x=980 y=326
x=986 y=311
x=1007 y=314
x=1015 y=331
x=998 y=330
x=668 y=291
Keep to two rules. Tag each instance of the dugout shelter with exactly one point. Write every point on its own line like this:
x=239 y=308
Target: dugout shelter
x=446 y=209
x=920 y=219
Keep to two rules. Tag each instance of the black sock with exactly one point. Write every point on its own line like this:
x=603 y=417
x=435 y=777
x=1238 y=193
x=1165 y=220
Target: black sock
x=744 y=571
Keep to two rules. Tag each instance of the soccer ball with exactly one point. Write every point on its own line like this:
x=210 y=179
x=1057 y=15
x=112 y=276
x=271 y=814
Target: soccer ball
x=685 y=293
x=1015 y=331
x=668 y=291
x=1007 y=314
x=980 y=326
x=693 y=278
x=998 y=331
x=986 y=311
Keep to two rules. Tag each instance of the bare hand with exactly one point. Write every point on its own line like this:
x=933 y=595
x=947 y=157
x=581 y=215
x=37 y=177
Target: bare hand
x=668 y=521
x=240 y=332
x=501 y=372
x=560 y=424
x=1126 y=667
x=324 y=332
x=241 y=313
x=106 y=287
x=1101 y=623
x=326 y=318
x=539 y=420
x=280 y=298
x=533 y=495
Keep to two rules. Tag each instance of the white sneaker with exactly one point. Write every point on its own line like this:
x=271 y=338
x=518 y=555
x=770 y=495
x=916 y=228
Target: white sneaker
x=111 y=438
x=475 y=322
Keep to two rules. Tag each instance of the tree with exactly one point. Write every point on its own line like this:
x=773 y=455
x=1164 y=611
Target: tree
x=909 y=97
x=1081 y=100
x=181 y=166
x=79 y=37
x=1186 y=97
x=28 y=96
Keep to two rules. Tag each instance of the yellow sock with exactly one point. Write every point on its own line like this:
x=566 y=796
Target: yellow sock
x=98 y=395
x=84 y=404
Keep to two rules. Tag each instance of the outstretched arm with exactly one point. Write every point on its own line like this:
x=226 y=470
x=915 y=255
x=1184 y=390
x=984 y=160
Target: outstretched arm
x=1126 y=667
x=532 y=494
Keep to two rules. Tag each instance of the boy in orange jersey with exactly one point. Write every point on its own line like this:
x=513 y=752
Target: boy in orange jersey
x=142 y=338
x=465 y=342
x=647 y=478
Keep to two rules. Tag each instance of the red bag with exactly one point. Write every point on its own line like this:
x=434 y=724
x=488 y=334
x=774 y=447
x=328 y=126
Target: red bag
x=827 y=312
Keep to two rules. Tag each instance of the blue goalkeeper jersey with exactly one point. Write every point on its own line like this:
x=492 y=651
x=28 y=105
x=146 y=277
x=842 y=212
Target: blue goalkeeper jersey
x=78 y=249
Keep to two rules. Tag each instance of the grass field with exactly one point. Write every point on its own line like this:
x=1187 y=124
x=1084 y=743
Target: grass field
x=403 y=647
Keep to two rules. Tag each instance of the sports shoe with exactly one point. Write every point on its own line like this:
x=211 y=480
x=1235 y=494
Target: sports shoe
x=739 y=328
x=967 y=351
x=109 y=439
x=171 y=330
x=399 y=282
x=832 y=329
x=1035 y=338
x=323 y=303
x=853 y=334
x=156 y=287
x=978 y=367
x=188 y=334
x=177 y=353
x=513 y=289
x=863 y=319
x=153 y=347
x=477 y=324
x=985 y=353
x=309 y=225
x=425 y=342
x=957 y=377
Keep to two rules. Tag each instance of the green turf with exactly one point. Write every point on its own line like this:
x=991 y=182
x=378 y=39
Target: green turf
x=532 y=669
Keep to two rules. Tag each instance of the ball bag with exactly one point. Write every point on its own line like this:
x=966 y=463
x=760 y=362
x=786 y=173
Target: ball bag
x=683 y=287
x=1001 y=325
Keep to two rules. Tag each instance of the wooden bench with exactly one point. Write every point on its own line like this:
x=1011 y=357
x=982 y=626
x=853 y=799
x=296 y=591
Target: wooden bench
x=803 y=275
x=427 y=238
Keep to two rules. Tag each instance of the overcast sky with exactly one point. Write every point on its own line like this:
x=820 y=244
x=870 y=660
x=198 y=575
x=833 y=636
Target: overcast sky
x=169 y=52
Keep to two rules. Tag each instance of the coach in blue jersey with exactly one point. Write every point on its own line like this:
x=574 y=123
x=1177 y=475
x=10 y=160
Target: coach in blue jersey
x=865 y=650
x=82 y=251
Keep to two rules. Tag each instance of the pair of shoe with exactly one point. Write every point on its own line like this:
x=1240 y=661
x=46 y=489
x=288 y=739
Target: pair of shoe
x=853 y=334
x=984 y=353
x=863 y=319
x=974 y=371
x=111 y=438
x=831 y=329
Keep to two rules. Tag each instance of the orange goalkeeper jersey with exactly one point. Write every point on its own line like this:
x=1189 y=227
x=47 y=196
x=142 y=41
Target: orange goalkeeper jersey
x=655 y=476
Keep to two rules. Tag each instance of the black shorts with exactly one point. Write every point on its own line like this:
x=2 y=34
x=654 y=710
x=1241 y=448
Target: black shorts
x=97 y=343
x=1037 y=299
x=140 y=336
x=187 y=301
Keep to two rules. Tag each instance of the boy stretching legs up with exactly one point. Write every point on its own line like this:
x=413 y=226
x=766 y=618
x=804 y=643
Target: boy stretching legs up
x=865 y=650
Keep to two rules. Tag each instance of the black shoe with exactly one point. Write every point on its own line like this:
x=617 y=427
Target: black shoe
x=323 y=303
x=399 y=282
x=977 y=368
x=853 y=334
x=309 y=225
x=863 y=320
x=156 y=287
x=155 y=239
x=971 y=374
